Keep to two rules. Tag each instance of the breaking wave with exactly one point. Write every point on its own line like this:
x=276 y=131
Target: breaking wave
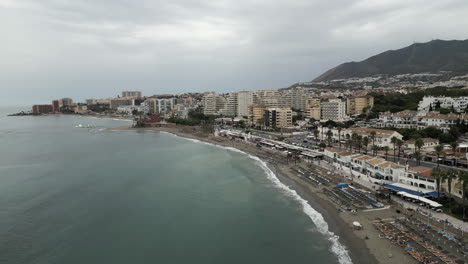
x=337 y=248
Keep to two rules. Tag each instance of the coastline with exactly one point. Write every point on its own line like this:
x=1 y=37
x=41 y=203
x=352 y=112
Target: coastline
x=359 y=249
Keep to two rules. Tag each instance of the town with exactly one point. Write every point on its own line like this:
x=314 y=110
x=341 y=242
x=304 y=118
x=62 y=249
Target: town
x=408 y=144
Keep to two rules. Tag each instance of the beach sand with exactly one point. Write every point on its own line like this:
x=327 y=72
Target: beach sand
x=361 y=250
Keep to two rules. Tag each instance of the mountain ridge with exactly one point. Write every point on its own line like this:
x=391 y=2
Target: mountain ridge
x=433 y=56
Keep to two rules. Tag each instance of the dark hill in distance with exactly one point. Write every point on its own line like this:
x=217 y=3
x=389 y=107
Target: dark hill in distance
x=433 y=56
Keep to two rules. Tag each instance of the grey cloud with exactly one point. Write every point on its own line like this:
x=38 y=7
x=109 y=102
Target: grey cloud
x=91 y=48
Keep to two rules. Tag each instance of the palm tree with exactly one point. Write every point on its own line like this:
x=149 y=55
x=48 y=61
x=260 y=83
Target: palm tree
x=394 y=140
x=375 y=149
x=372 y=136
x=359 y=142
x=463 y=179
x=399 y=144
x=438 y=174
x=322 y=145
x=454 y=146
x=316 y=134
x=329 y=137
x=339 y=135
x=439 y=150
x=418 y=157
x=419 y=143
x=365 y=143
x=354 y=137
x=386 y=149
x=451 y=175
x=350 y=145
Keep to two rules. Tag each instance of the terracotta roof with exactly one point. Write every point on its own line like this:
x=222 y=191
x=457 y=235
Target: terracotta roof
x=364 y=157
x=419 y=169
x=376 y=161
x=378 y=132
x=393 y=165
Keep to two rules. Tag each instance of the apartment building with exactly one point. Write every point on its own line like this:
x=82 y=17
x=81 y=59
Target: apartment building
x=231 y=105
x=278 y=117
x=356 y=105
x=42 y=109
x=430 y=103
x=165 y=105
x=333 y=110
x=135 y=94
x=116 y=102
x=419 y=179
x=213 y=104
x=428 y=143
x=256 y=114
x=268 y=98
x=244 y=100
x=403 y=119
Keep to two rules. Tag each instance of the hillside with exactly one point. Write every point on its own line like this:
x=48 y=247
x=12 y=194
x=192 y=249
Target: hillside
x=433 y=56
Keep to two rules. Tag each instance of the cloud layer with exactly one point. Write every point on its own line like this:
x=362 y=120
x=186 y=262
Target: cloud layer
x=96 y=48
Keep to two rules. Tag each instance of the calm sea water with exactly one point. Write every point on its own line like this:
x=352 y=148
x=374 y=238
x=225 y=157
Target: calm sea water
x=84 y=195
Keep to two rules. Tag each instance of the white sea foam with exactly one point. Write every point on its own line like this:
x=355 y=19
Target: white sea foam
x=322 y=226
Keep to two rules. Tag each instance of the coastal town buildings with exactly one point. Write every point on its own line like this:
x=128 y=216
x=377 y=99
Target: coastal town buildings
x=42 y=109
x=213 y=104
x=165 y=105
x=411 y=119
x=428 y=143
x=134 y=94
x=256 y=114
x=430 y=103
x=333 y=110
x=244 y=100
x=56 y=106
x=357 y=104
x=116 y=102
x=278 y=117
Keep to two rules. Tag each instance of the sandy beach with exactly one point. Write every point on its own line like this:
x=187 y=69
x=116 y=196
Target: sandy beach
x=361 y=250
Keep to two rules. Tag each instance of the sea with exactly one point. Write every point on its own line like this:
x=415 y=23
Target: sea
x=73 y=192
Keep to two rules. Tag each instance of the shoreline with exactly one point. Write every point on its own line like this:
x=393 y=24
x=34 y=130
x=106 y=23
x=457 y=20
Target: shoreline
x=359 y=249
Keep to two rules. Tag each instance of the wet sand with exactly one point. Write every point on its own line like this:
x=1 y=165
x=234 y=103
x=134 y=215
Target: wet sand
x=361 y=250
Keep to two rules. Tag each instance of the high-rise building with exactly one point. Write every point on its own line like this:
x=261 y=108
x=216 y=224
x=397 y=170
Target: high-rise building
x=135 y=94
x=152 y=105
x=356 y=105
x=256 y=114
x=213 y=104
x=269 y=98
x=278 y=117
x=244 y=100
x=313 y=111
x=116 y=102
x=231 y=105
x=55 y=106
x=42 y=109
x=66 y=102
x=165 y=105
x=334 y=110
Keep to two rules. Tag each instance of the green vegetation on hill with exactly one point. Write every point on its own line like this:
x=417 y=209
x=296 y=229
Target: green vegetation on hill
x=433 y=56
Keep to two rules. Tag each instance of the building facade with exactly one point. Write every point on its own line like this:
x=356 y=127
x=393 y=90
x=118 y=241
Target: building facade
x=135 y=94
x=356 y=105
x=333 y=110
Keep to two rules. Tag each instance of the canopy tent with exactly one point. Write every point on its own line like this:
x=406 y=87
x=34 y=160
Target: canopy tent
x=396 y=188
x=421 y=199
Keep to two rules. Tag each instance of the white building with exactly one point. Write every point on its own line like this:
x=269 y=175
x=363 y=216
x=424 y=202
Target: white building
x=213 y=104
x=165 y=105
x=230 y=109
x=429 y=103
x=128 y=109
x=136 y=94
x=244 y=100
x=333 y=110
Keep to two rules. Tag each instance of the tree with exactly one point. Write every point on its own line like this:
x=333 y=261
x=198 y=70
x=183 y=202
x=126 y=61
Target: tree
x=418 y=156
x=339 y=135
x=329 y=137
x=394 y=141
x=322 y=145
x=375 y=149
x=359 y=142
x=354 y=137
x=439 y=150
x=419 y=143
x=438 y=174
x=399 y=144
x=365 y=143
x=448 y=177
x=372 y=136
x=454 y=146
x=463 y=179
x=386 y=149
x=316 y=134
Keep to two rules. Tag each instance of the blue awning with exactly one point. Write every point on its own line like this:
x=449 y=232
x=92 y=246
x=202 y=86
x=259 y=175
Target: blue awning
x=401 y=189
x=433 y=194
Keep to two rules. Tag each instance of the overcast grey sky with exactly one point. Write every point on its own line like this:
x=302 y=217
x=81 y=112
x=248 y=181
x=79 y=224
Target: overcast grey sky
x=97 y=48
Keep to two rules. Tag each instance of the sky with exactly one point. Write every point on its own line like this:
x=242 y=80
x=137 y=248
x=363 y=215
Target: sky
x=97 y=48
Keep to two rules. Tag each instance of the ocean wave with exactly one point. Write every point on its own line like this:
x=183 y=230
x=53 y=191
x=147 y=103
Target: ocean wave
x=337 y=248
